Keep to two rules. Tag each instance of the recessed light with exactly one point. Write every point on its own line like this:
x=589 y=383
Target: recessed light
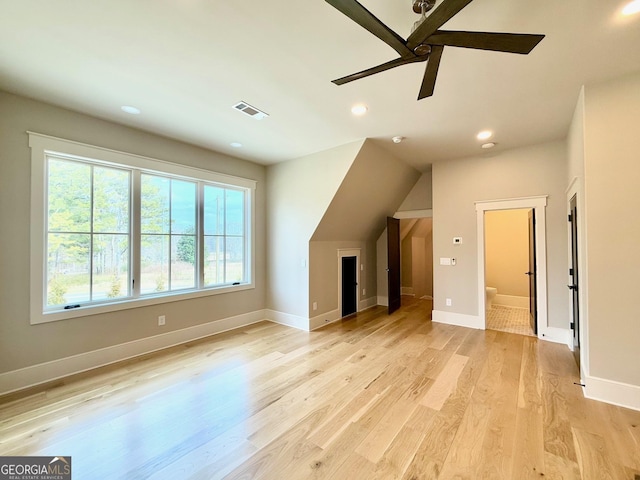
x=397 y=139
x=236 y=145
x=359 y=109
x=130 y=109
x=484 y=135
x=631 y=8
x=488 y=145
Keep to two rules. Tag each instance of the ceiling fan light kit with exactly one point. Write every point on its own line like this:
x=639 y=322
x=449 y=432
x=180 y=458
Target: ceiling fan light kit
x=426 y=41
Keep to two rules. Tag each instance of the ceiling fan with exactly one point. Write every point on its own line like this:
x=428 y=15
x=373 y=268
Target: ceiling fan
x=427 y=41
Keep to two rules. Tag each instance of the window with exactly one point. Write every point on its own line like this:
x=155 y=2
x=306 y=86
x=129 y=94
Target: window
x=88 y=233
x=112 y=230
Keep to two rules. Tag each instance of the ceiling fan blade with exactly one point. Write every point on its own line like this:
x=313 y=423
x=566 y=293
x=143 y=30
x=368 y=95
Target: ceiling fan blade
x=380 y=68
x=500 y=42
x=441 y=15
x=363 y=17
x=431 y=72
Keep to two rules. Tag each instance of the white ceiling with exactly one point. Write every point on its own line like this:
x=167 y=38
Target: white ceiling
x=184 y=63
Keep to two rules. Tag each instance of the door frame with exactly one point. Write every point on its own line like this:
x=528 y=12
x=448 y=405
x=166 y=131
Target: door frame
x=538 y=204
x=351 y=252
x=576 y=189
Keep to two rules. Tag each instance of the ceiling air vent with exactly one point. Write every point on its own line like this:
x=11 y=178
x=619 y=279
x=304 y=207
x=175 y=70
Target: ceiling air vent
x=253 y=112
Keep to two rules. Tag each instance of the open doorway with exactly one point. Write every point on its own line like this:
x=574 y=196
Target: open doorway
x=538 y=207
x=510 y=271
x=416 y=253
x=405 y=253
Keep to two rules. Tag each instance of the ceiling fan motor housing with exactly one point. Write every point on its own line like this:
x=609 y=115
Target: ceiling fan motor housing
x=422 y=49
x=428 y=4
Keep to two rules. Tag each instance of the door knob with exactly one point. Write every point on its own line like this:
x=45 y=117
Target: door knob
x=572 y=287
x=528 y=273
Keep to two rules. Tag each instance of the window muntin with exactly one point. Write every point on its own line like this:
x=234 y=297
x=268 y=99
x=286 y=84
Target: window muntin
x=95 y=228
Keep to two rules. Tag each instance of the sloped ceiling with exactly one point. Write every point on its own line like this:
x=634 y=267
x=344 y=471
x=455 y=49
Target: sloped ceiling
x=374 y=187
x=184 y=63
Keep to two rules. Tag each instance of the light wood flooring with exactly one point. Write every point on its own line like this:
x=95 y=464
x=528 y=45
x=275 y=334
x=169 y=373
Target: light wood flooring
x=373 y=397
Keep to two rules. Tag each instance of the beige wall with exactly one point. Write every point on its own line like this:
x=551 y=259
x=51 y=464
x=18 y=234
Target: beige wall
x=23 y=344
x=323 y=275
x=612 y=190
x=523 y=172
x=507 y=251
x=406 y=253
x=372 y=189
x=299 y=193
x=575 y=141
x=420 y=196
x=416 y=254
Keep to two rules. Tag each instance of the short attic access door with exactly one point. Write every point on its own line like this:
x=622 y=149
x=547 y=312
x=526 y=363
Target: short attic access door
x=349 y=278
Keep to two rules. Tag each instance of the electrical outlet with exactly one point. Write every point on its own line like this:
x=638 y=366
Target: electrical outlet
x=448 y=301
x=161 y=320
x=364 y=291
x=315 y=305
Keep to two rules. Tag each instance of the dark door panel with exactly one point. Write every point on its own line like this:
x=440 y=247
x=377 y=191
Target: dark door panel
x=573 y=273
x=349 y=286
x=533 y=306
x=393 y=263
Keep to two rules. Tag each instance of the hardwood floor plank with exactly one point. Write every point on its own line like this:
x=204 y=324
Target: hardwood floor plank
x=596 y=460
x=558 y=437
x=446 y=382
x=396 y=458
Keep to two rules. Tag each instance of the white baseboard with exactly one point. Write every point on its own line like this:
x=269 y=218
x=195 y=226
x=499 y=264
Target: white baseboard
x=295 y=321
x=556 y=335
x=511 y=301
x=459 y=319
x=324 y=319
x=384 y=301
x=610 y=391
x=367 y=303
x=333 y=316
x=46 y=372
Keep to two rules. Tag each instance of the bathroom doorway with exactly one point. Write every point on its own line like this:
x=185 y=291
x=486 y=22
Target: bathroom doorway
x=512 y=265
x=510 y=271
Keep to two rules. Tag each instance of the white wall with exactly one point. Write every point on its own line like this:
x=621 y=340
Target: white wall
x=531 y=171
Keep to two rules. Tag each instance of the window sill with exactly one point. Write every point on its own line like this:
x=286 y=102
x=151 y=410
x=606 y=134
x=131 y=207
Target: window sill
x=47 y=317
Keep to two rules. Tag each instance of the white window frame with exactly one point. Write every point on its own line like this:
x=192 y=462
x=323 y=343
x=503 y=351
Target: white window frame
x=43 y=145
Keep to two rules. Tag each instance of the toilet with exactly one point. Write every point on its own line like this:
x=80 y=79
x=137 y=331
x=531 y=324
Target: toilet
x=491 y=293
